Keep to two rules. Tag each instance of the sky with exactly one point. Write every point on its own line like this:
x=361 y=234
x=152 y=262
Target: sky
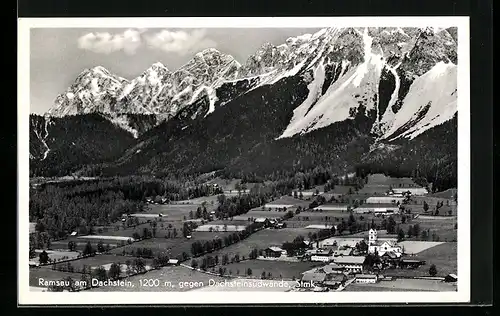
x=58 y=55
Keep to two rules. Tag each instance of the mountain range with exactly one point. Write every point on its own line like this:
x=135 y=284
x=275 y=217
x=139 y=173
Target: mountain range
x=338 y=98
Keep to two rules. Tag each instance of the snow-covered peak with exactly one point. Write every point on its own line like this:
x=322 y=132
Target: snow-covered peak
x=94 y=90
x=158 y=65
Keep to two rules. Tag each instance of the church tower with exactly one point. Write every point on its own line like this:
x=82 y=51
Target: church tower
x=372 y=236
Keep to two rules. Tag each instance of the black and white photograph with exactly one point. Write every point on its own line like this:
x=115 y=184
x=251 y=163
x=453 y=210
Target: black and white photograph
x=246 y=160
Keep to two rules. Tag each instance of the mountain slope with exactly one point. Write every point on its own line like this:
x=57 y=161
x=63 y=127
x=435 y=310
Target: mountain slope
x=336 y=99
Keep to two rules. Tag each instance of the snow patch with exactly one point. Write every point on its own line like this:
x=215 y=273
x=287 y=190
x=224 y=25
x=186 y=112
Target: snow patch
x=43 y=134
x=122 y=121
x=354 y=86
x=434 y=88
x=299 y=113
x=388 y=116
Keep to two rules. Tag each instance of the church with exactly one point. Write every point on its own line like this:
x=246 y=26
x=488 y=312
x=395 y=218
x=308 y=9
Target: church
x=382 y=247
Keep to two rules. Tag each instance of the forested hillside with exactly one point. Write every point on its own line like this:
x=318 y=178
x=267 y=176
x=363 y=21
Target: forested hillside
x=75 y=141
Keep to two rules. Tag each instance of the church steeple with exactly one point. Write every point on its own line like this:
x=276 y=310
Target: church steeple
x=372 y=236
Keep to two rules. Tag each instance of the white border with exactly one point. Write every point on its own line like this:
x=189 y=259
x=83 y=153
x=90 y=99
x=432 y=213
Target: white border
x=107 y=298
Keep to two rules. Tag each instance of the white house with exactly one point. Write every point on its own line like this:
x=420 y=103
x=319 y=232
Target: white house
x=322 y=255
x=350 y=263
x=173 y=262
x=366 y=278
x=385 y=199
x=413 y=191
x=381 y=247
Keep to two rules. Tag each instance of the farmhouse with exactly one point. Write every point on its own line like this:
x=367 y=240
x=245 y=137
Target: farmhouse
x=366 y=278
x=332 y=268
x=412 y=190
x=382 y=247
x=335 y=280
x=391 y=256
x=350 y=263
x=274 y=252
x=279 y=225
x=33 y=263
x=310 y=279
x=322 y=255
x=385 y=199
x=310 y=193
x=332 y=207
x=173 y=262
x=260 y=220
x=377 y=208
x=343 y=252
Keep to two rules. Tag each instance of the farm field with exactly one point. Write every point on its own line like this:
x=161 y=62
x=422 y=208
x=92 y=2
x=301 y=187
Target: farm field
x=444 y=228
x=48 y=274
x=227 y=184
x=263 y=239
x=220 y=228
x=249 y=285
x=177 y=276
x=233 y=222
x=444 y=256
x=259 y=213
x=419 y=208
x=211 y=201
x=56 y=255
x=415 y=247
x=447 y=194
x=303 y=220
x=97 y=261
x=341 y=189
x=288 y=200
x=62 y=245
x=106 y=238
x=278 y=269
x=374 y=189
x=172 y=212
x=174 y=247
x=319 y=226
x=321 y=215
x=379 y=178
x=403 y=285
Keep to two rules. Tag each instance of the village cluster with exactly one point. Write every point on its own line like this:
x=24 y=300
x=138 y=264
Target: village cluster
x=391 y=234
